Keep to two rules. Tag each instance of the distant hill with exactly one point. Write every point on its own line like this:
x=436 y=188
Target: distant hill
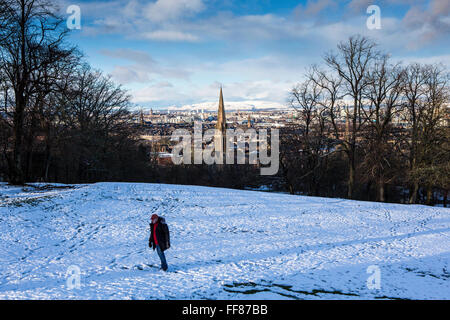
x=232 y=106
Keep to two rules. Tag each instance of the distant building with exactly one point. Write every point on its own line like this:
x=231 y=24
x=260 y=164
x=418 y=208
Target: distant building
x=164 y=159
x=141 y=118
x=221 y=127
x=221 y=118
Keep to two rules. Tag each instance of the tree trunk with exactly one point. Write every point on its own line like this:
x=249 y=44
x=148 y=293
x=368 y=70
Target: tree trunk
x=47 y=166
x=413 y=193
x=368 y=186
x=291 y=189
x=429 y=196
x=17 y=169
x=445 y=198
x=381 y=197
x=351 y=179
x=17 y=177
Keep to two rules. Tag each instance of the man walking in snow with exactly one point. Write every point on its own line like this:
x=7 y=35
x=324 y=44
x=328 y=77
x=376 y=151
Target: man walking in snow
x=159 y=238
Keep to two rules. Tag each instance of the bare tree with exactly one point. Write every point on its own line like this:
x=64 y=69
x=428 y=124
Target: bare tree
x=31 y=38
x=352 y=63
x=93 y=114
x=383 y=102
x=432 y=145
x=414 y=91
x=312 y=141
x=304 y=99
x=330 y=99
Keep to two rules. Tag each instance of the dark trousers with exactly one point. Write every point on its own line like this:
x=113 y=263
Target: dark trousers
x=162 y=257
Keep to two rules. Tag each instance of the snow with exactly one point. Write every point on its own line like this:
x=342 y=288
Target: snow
x=226 y=244
x=232 y=106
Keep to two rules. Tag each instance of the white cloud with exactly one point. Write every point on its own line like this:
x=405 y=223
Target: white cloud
x=143 y=67
x=163 y=10
x=169 y=35
x=126 y=75
x=444 y=59
x=314 y=7
x=158 y=93
x=176 y=21
x=429 y=23
x=137 y=56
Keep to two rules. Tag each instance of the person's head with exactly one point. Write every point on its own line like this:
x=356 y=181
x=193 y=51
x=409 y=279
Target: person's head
x=154 y=218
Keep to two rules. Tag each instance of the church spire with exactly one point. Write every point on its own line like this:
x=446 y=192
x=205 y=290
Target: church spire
x=221 y=119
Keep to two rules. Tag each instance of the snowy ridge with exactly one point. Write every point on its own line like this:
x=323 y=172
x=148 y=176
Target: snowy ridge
x=226 y=244
x=232 y=106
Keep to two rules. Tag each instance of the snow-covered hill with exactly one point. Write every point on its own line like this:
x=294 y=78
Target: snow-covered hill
x=226 y=244
x=232 y=106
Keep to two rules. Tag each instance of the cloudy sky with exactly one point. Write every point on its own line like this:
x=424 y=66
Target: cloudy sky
x=179 y=52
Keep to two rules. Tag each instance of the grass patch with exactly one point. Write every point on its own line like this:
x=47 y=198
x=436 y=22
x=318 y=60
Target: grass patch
x=271 y=286
x=21 y=202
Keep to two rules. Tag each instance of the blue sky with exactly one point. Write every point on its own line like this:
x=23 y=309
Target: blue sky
x=179 y=52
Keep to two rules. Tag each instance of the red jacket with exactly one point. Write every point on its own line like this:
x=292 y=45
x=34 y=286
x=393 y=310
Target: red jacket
x=159 y=235
x=154 y=233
